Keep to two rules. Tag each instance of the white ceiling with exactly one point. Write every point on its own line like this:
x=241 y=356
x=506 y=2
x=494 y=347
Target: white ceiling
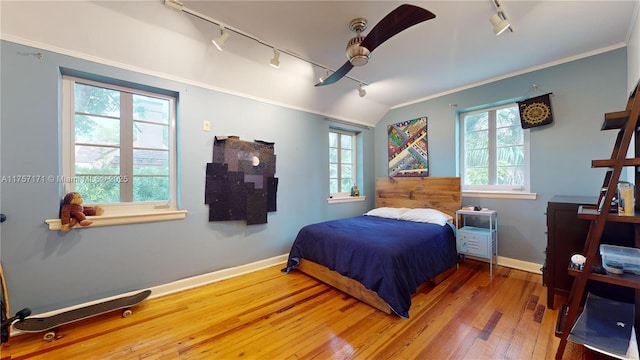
x=457 y=49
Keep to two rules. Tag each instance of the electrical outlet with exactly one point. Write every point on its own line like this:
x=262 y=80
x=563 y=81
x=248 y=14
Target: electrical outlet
x=206 y=125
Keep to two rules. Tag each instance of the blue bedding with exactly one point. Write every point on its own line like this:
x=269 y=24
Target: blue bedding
x=391 y=257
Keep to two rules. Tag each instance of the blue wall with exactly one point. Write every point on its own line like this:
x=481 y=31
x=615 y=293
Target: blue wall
x=48 y=270
x=561 y=153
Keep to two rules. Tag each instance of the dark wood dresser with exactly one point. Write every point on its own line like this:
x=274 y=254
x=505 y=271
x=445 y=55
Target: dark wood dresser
x=566 y=235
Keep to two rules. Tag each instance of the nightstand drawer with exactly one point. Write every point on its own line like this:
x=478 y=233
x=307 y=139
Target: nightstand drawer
x=474 y=241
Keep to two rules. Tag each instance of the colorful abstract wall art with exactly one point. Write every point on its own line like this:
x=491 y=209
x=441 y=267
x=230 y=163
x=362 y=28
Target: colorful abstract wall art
x=240 y=182
x=408 y=150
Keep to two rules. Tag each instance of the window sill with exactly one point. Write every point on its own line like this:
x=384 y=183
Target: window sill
x=500 y=194
x=141 y=216
x=345 y=199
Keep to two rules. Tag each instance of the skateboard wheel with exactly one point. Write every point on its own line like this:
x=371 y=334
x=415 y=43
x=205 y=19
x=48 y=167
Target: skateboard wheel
x=49 y=336
x=127 y=313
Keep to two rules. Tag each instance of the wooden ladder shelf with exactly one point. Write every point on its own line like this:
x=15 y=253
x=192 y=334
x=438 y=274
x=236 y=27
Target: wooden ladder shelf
x=627 y=123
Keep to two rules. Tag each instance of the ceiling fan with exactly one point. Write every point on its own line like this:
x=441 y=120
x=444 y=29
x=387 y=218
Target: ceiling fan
x=360 y=47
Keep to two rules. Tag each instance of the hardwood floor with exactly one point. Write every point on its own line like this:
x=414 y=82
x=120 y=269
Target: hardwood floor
x=271 y=315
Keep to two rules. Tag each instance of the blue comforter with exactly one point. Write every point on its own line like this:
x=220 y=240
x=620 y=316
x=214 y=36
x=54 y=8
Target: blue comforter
x=391 y=257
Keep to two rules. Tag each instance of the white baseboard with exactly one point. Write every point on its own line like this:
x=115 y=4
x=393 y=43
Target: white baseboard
x=204 y=279
x=514 y=264
x=520 y=265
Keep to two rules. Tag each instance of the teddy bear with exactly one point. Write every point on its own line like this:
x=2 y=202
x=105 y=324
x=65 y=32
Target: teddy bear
x=73 y=212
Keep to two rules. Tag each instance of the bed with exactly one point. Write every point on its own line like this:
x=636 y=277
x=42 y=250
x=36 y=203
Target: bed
x=382 y=260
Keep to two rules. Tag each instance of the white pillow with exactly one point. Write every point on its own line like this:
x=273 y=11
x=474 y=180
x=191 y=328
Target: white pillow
x=387 y=212
x=426 y=215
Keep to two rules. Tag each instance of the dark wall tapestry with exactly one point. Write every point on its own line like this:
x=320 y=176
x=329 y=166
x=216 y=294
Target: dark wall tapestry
x=408 y=148
x=240 y=182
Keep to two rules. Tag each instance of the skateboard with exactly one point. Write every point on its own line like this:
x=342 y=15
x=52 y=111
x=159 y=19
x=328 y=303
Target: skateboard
x=51 y=323
x=4 y=309
x=5 y=323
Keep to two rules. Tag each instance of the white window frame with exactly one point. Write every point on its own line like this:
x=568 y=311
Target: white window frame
x=346 y=196
x=494 y=191
x=122 y=212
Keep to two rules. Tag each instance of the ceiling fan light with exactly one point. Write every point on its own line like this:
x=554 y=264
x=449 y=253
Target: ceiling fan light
x=357 y=55
x=221 y=39
x=359 y=60
x=499 y=24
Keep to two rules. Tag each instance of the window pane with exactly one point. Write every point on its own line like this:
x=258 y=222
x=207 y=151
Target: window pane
x=346 y=171
x=510 y=155
x=476 y=176
x=510 y=175
x=512 y=135
x=477 y=158
x=150 y=136
x=333 y=140
x=97 y=130
x=98 y=192
x=96 y=100
x=346 y=142
x=333 y=171
x=475 y=122
x=150 y=188
x=333 y=185
x=97 y=160
x=150 y=109
x=476 y=140
x=333 y=155
x=507 y=117
x=346 y=185
x=346 y=156
x=150 y=162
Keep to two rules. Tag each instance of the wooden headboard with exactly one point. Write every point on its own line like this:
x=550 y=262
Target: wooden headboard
x=442 y=193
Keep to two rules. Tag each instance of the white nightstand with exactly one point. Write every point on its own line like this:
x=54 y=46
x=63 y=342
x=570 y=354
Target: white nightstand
x=478 y=241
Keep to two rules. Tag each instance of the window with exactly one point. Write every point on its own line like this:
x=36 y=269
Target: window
x=119 y=144
x=342 y=162
x=494 y=150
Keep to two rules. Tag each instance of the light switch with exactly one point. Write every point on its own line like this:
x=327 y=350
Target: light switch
x=206 y=125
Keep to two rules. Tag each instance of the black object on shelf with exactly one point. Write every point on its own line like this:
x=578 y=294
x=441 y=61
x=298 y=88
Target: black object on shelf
x=604 y=325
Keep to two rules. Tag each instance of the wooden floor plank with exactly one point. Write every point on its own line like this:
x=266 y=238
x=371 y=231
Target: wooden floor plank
x=271 y=315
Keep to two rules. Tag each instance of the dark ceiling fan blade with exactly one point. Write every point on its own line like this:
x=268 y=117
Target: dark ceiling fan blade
x=339 y=74
x=400 y=19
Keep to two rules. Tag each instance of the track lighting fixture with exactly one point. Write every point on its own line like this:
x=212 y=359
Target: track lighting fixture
x=275 y=61
x=499 y=20
x=220 y=40
x=361 y=91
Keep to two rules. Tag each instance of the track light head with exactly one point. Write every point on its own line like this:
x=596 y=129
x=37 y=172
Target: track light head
x=499 y=19
x=221 y=39
x=323 y=78
x=361 y=91
x=500 y=24
x=275 y=61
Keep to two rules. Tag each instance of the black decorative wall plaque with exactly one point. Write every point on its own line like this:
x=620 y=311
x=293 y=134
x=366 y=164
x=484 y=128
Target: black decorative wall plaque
x=241 y=182
x=535 y=111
